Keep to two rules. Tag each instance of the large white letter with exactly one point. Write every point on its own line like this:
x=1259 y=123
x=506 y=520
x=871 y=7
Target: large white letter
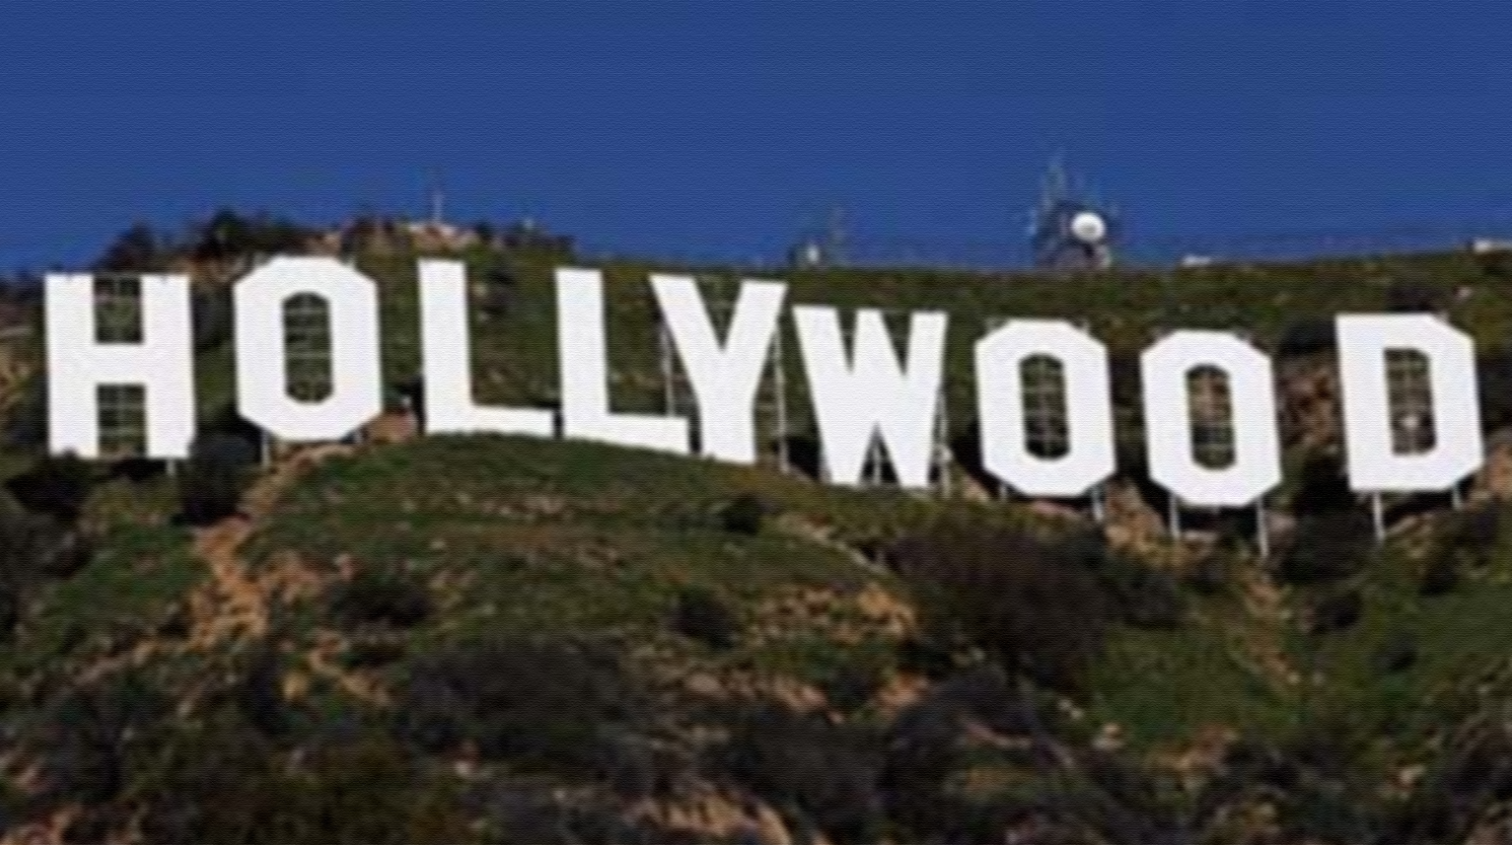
x=724 y=376
x=855 y=402
x=1168 y=419
x=1374 y=466
x=585 y=389
x=1088 y=406
x=446 y=347
x=77 y=366
x=356 y=370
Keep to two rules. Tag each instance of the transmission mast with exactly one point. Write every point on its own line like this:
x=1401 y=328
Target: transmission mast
x=1070 y=230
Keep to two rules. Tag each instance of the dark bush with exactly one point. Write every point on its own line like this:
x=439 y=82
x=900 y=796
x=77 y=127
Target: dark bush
x=827 y=771
x=1144 y=597
x=24 y=540
x=853 y=683
x=499 y=291
x=1396 y=653
x=212 y=317
x=138 y=249
x=24 y=426
x=702 y=615
x=33 y=545
x=137 y=470
x=1207 y=576
x=222 y=782
x=1471 y=536
x=1494 y=376
x=1327 y=546
x=1496 y=265
x=229 y=234
x=87 y=733
x=1305 y=337
x=539 y=703
x=62 y=554
x=745 y=514
x=1336 y=611
x=1472 y=774
x=369 y=654
x=10 y=610
x=1124 y=375
x=56 y=486
x=1441 y=574
x=1413 y=295
x=212 y=481
x=372 y=599
x=1035 y=605
x=259 y=693
x=1322 y=488
x=922 y=749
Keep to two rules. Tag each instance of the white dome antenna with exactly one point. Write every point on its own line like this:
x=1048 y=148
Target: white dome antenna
x=1070 y=231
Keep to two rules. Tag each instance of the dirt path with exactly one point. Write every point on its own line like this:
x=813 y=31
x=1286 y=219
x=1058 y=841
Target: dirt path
x=235 y=601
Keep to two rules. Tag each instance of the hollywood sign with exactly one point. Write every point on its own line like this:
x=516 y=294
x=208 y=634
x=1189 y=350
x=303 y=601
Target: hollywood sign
x=862 y=390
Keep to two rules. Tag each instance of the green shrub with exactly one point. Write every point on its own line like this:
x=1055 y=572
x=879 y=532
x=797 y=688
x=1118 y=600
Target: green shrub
x=372 y=599
x=745 y=514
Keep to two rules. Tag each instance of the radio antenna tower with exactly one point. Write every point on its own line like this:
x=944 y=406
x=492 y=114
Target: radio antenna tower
x=1069 y=230
x=824 y=248
x=834 y=236
x=437 y=200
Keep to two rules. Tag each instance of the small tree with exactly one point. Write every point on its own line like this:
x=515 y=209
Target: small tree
x=703 y=616
x=1329 y=545
x=1036 y=606
x=744 y=514
x=138 y=249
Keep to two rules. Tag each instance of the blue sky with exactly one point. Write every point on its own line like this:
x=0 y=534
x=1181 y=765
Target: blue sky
x=665 y=127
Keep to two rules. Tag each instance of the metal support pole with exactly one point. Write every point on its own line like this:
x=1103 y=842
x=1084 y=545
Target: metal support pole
x=668 y=368
x=779 y=386
x=1262 y=531
x=1099 y=505
x=1378 y=515
x=1456 y=498
x=1174 y=515
x=942 y=444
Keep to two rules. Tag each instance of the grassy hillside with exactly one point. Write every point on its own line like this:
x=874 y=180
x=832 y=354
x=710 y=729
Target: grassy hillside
x=514 y=640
